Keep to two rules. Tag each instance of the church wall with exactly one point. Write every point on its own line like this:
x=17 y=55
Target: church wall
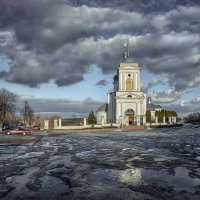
x=111 y=108
x=144 y=105
x=153 y=115
x=110 y=105
x=101 y=117
x=124 y=104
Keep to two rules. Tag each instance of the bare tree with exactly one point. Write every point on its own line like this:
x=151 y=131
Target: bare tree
x=7 y=104
x=27 y=113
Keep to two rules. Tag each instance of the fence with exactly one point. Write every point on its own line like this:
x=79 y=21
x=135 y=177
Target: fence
x=58 y=125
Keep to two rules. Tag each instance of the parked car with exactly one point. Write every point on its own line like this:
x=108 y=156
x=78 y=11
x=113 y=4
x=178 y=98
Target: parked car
x=35 y=128
x=16 y=130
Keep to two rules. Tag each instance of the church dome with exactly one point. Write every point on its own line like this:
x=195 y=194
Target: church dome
x=115 y=77
x=128 y=60
x=103 y=108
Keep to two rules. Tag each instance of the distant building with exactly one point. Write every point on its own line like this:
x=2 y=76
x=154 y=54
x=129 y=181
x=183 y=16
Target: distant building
x=153 y=108
x=101 y=114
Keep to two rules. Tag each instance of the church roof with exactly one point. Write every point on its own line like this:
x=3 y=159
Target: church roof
x=153 y=107
x=103 y=108
x=128 y=60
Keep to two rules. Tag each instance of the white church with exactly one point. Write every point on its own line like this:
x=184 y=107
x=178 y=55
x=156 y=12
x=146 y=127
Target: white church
x=127 y=103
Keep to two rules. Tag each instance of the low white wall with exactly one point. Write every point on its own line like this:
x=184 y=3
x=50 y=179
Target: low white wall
x=157 y=124
x=57 y=125
x=68 y=127
x=86 y=126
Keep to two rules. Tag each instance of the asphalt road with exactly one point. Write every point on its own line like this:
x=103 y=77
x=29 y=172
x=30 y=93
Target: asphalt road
x=155 y=164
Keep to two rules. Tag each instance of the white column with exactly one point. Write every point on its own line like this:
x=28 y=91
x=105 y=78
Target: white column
x=136 y=81
x=138 y=75
x=156 y=119
x=118 y=113
x=102 y=120
x=174 y=119
x=164 y=121
x=55 y=123
x=142 y=109
x=138 y=109
x=144 y=120
x=84 y=122
x=170 y=120
x=138 y=120
x=60 y=123
x=46 y=124
x=121 y=109
x=120 y=81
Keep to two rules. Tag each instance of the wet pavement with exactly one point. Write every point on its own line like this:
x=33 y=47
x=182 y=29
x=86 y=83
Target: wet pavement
x=153 y=164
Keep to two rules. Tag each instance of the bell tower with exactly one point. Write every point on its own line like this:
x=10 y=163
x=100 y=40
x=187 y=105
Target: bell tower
x=128 y=72
x=129 y=96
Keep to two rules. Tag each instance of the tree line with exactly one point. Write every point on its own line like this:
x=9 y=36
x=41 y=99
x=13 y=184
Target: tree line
x=8 y=108
x=160 y=114
x=192 y=118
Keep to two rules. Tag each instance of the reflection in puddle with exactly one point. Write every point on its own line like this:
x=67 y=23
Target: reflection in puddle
x=181 y=179
x=137 y=176
x=130 y=176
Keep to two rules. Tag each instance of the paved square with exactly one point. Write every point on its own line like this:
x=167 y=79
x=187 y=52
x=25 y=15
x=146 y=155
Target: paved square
x=156 y=164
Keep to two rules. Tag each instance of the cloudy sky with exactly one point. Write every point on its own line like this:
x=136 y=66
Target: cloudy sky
x=61 y=55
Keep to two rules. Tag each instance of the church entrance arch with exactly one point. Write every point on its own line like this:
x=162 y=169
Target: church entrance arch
x=130 y=114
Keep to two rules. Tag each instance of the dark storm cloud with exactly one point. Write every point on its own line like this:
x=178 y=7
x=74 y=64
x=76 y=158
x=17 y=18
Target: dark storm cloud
x=175 y=54
x=44 y=40
x=68 y=80
x=102 y=82
x=141 y=5
x=60 y=40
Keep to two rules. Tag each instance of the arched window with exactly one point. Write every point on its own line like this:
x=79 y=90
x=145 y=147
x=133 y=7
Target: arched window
x=129 y=84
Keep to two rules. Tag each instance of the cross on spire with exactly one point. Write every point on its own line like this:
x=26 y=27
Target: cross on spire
x=126 y=51
x=127 y=47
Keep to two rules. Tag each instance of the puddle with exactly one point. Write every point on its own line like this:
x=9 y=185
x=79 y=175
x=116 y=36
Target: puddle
x=198 y=158
x=181 y=179
x=164 y=158
x=103 y=177
x=131 y=176
x=137 y=176
x=59 y=161
x=85 y=154
x=31 y=155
